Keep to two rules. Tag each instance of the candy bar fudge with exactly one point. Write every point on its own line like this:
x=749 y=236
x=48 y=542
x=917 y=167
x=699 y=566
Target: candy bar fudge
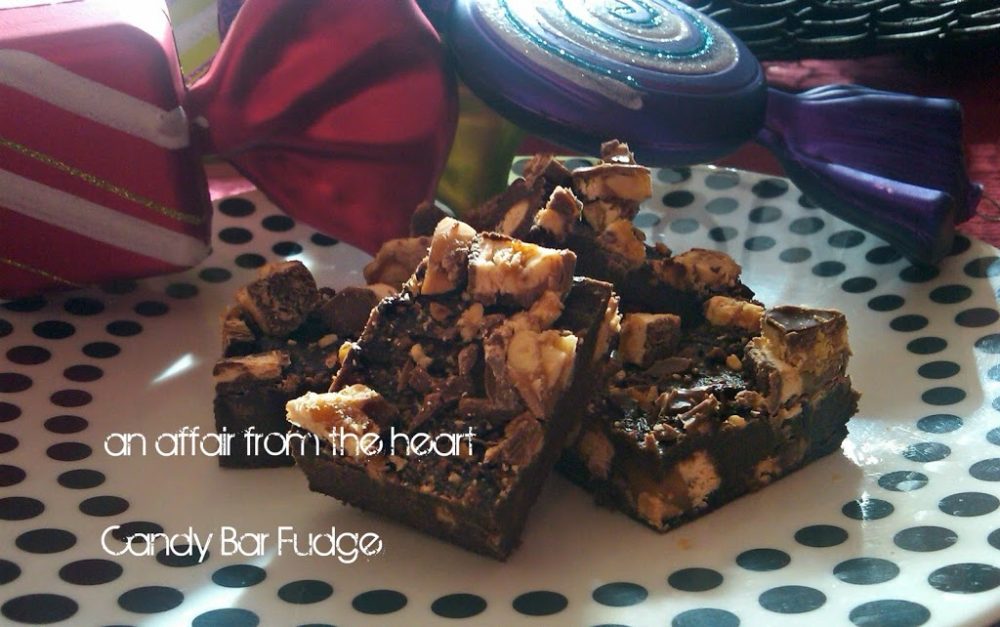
x=696 y=416
x=490 y=351
x=280 y=340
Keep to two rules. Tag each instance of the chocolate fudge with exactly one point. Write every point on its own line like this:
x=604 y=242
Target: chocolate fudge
x=491 y=350
x=280 y=340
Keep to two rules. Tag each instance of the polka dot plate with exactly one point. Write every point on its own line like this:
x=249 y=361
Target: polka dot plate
x=900 y=527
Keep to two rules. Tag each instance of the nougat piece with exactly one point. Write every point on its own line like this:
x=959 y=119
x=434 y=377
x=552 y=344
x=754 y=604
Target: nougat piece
x=497 y=383
x=717 y=413
x=511 y=212
x=615 y=180
x=647 y=337
x=281 y=297
x=396 y=260
x=559 y=215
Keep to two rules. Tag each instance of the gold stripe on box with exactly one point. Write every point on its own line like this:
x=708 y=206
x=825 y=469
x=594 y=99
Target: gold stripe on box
x=38 y=271
x=102 y=184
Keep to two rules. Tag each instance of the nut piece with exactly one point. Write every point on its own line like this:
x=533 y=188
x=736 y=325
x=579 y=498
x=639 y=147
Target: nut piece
x=448 y=259
x=503 y=270
x=596 y=451
x=540 y=365
x=610 y=331
x=281 y=297
x=611 y=181
x=724 y=311
x=559 y=214
x=542 y=314
x=259 y=367
x=646 y=338
x=237 y=338
x=347 y=312
x=522 y=442
x=624 y=240
x=336 y=416
x=614 y=151
x=708 y=269
x=396 y=260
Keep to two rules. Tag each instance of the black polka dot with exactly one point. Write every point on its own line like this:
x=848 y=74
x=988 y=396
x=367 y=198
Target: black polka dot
x=925 y=538
x=886 y=302
x=305 y=591
x=846 y=239
x=926 y=345
x=540 y=603
x=959 y=245
x=864 y=571
x=250 y=260
x=820 y=536
x=286 y=249
x=83 y=373
x=70 y=398
x=769 y=188
x=828 y=268
x=918 y=274
x=226 y=617
x=759 y=243
x=69 y=451
x=867 y=508
x=237 y=207
x=994 y=539
x=792 y=599
x=181 y=290
x=20 y=508
x=986 y=470
x=136 y=531
x=83 y=306
x=6 y=328
x=678 y=199
x=151 y=308
x=104 y=506
x=806 y=226
x=119 y=286
x=33 y=303
x=721 y=206
x=239 y=576
x=124 y=328
x=13 y=382
x=66 y=424
x=950 y=294
x=883 y=255
x=46 y=540
x=924 y=452
x=705 y=617
x=908 y=323
x=858 y=285
x=9 y=571
x=795 y=255
x=968 y=578
x=620 y=594
x=379 y=602
x=7 y=443
x=39 y=609
x=215 y=275
x=323 y=240
x=939 y=423
x=989 y=343
x=90 y=572
x=938 y=369
x=722 y=179
x=764 y=214
x=762 y=560
x=889 y=613
x=150 y=599
x=278 y=223
x=903 y=481
x=943 y=396
x=81 y=479
x=28 y=355
x=982 y=268
x=11 y=475
x=722 y=233
x=695 y=579
x=646 y=220
x=459 y=605
x=977 y=317
x=966 y=504
x=673 y=175
x=101 y=350
x=684 y=225
x=235 y=235
x=182 y=556
x=9 y=411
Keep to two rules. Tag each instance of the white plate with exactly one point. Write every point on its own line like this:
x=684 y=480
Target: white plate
x=924 y=444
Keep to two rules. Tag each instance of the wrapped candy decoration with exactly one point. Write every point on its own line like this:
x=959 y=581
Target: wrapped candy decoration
x=100 y=143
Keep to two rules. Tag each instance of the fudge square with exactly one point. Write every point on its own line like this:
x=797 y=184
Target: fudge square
x=491 y=338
